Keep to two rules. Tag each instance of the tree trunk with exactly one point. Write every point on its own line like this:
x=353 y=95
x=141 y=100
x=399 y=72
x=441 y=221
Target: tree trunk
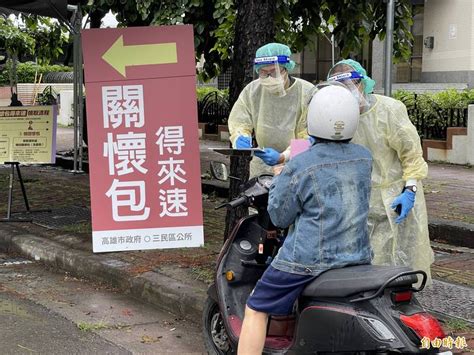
x=13 y=72
x=96 y=17
x=254 y=27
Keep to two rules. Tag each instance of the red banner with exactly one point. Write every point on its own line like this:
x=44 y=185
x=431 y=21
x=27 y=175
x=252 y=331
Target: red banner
x=143 y=138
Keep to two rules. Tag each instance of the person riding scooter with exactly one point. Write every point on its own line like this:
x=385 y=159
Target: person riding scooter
x=322 y=195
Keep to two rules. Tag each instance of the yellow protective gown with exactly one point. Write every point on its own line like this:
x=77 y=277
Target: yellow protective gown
x=275 y=120
x=388 y=133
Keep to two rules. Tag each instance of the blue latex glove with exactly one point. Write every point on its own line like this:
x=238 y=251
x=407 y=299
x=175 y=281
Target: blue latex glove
x=270 y=156
x=407 y=200
x=243 y=142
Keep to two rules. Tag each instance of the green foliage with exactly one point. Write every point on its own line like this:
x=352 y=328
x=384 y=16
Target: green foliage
x=203 y=273
x=432 y=108
x=352 y=22
x=13 y=39
x=224 y=33
x=48 y=36
x=33 y=35
x=26 y=72
x=360 y=21
x=458 y=325
x=452 y=98
x=204 y=90
x=90 y=327
x=446 y=99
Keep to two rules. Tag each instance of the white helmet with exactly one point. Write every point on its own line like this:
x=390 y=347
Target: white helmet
x=333 y=113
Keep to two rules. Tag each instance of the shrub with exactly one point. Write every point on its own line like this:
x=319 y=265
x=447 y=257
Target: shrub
x=213 y=110
x=202 y=91
x=446 y=99
x=436 y=111
x=26 y=72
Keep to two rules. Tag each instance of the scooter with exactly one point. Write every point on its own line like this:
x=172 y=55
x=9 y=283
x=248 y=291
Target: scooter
x=364 y=309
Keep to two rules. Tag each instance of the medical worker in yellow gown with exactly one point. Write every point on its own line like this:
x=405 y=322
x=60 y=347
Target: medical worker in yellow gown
x=272 y=108
x=398 y=168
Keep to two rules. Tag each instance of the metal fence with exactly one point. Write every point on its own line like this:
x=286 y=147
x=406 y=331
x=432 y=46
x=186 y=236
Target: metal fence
x=434 y=124
x=214 y=110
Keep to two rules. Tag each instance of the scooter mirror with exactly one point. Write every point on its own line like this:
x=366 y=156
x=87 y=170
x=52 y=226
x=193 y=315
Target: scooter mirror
x=219 y=171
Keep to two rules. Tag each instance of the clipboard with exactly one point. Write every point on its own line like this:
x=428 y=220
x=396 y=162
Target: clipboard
x=232 y=151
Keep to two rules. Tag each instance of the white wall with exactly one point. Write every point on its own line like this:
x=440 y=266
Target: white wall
x=450 y=22
x=462 y=151
x=65 y=108
x=470 y=136
x=456 y=155
x=26 y=93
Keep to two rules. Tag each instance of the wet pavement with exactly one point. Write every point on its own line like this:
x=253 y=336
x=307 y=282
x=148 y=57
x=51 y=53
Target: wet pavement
x=52 y=312
x=449 y=191
x=8 y=260
x=448 y=299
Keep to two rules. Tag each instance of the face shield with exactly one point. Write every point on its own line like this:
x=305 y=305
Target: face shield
x=271 y=74
x=352 y=80
x=321 y=85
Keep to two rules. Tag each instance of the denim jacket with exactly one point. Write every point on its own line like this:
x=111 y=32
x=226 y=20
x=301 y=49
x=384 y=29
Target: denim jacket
x=323 y=195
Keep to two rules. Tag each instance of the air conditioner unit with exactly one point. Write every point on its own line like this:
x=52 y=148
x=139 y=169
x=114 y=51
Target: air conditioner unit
x=429 y=42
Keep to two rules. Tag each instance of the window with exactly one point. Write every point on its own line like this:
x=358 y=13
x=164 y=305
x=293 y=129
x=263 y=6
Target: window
x=316 y=59
x=411 y=71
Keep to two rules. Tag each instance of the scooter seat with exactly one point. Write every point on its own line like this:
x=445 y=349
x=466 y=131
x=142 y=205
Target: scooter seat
x=354 y=279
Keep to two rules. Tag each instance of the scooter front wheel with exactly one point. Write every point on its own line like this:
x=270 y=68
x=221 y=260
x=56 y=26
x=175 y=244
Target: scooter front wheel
x=216 y=338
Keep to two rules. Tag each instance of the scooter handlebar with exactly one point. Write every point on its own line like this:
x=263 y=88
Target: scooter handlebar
x=242 y=200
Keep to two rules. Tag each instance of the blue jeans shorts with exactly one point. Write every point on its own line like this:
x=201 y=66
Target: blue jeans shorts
x=277 y=291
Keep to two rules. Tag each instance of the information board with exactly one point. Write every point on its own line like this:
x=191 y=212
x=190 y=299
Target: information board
x=28 y=134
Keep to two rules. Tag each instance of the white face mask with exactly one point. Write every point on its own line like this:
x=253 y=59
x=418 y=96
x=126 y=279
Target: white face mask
x=273 y=85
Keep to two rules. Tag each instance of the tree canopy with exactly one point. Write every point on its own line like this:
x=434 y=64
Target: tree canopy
x=295 y=22
x=32 y=35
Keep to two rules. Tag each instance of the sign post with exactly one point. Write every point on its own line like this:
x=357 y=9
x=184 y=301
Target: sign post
x=143 y=138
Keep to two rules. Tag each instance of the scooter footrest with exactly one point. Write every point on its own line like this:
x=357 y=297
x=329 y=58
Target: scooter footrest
x=253 y=264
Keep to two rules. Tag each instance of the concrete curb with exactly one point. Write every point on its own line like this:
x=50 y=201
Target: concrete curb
x=452 y=232
x=152 y=287
x=68 y=163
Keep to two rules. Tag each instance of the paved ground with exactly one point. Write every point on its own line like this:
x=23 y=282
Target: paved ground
x=63 y=239
x=449 y=192
x=55 y=318
x=449 y=189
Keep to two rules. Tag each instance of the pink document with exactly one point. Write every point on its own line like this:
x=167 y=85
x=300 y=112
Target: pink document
x=298 y=146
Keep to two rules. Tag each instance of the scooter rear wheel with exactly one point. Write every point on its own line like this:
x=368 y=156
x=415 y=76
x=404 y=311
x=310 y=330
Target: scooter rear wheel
x=216 y=338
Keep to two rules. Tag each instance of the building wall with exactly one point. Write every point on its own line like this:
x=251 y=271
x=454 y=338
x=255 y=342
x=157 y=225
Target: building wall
x=378 y=65
x=451 y=61
x=451 y=25
x=309 y=61
x=460 y=150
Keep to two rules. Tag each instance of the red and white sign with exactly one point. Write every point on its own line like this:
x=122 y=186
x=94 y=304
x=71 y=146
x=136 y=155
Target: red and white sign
x=143 y=138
